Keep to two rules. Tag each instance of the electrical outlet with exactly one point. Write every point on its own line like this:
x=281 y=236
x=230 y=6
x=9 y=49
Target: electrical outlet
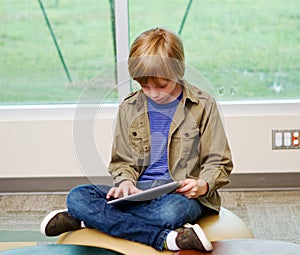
x=286 y=139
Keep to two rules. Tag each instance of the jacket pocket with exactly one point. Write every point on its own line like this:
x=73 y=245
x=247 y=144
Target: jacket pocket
x=186 y=146
x=140 y=149
x=190 y=142
x=136 y=141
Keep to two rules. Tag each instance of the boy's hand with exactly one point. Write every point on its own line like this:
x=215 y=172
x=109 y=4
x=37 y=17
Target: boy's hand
x=125 y=188
x=193 y=188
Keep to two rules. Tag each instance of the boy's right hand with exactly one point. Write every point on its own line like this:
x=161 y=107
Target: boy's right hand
x=125 y=188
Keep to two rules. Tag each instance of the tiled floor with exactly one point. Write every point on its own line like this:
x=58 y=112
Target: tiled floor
x=269 y=214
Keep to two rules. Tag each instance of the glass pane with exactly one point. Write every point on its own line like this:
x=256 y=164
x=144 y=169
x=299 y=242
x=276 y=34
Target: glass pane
x=246 y=49
x=55 y=63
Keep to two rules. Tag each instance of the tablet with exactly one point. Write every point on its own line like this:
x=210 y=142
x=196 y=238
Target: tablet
x=146 y=195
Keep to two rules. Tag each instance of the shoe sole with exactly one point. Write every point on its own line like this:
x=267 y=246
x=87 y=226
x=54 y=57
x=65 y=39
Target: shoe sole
x=47 y=219
x=201 y=235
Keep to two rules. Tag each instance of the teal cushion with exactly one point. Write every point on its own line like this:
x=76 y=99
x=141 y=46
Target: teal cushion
x=61 y=249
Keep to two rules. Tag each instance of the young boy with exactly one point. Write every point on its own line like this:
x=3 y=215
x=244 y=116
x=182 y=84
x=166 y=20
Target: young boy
x=168 y=130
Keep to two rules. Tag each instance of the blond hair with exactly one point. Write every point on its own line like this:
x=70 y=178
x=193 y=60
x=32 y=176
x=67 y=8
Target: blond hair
x=156 y=53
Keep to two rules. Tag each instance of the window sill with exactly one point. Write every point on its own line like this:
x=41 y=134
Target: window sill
x=108 y=111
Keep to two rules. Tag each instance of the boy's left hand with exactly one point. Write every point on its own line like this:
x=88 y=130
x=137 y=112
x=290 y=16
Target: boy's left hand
x=193 y=188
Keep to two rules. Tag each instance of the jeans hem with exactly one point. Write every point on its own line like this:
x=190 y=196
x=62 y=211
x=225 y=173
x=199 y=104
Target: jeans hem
x=160 y=241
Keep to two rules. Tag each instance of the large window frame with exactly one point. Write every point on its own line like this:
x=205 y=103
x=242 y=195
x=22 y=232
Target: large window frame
x=67 y=111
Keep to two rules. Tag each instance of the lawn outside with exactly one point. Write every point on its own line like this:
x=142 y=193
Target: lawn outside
x=247 y=50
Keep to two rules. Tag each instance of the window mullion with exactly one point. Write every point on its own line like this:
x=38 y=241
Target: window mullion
x=122 y=47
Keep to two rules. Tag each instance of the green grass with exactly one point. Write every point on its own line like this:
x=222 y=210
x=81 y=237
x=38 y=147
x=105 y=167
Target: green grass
x=246 y=49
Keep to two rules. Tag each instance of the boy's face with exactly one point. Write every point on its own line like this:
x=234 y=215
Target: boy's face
x=163 y=91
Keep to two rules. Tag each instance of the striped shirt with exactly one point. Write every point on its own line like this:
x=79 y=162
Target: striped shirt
x=160 y=118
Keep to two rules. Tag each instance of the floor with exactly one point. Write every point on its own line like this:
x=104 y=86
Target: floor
x=269 y=214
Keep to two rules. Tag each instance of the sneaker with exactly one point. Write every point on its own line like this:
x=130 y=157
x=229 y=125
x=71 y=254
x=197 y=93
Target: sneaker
x=192 y=237
x=58 y=222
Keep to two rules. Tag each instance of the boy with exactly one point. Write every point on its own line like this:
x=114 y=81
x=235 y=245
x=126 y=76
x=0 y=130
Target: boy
x=168 y=130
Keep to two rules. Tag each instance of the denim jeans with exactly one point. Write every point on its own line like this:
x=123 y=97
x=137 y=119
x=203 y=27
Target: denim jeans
x=147 y=222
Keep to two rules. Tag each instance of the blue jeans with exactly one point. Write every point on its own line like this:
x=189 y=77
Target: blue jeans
x=147 y=222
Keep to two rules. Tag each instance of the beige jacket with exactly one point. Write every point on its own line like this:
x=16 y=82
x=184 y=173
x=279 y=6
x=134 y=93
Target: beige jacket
x=197 y=143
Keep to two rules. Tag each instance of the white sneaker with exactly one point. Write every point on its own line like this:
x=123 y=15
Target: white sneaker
x=192 y=237
x=58 y=222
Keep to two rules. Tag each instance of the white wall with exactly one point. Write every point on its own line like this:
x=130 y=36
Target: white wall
x=39 y=142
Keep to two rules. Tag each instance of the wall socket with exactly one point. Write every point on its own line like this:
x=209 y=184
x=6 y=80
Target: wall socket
x=286 y=139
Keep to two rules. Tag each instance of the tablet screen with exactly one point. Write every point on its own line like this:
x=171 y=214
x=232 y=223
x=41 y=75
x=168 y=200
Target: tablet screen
x=148 y=194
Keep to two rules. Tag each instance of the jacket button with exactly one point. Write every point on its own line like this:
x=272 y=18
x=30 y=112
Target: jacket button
x=134 y=133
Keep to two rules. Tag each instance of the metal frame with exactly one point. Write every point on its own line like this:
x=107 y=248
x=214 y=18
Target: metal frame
x=122 y=46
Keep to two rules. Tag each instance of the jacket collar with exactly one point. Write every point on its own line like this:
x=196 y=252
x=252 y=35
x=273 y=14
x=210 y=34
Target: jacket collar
x=189 y=93
x=139 y=98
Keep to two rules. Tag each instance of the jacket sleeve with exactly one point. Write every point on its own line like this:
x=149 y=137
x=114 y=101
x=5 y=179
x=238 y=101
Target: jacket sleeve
x=215 y=156
x=121 y=166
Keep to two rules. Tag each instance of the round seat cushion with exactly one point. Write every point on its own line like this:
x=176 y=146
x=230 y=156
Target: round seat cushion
x=225 y=225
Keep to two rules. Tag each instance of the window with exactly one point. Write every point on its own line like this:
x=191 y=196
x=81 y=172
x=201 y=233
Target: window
x=247 y=50
x=32 y=70
x=238 y=50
